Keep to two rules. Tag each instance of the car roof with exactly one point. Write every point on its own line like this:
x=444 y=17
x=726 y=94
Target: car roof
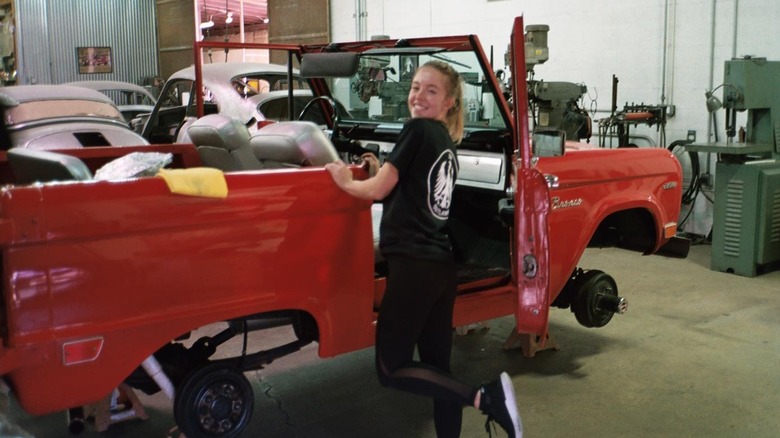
x=225 y=71
x=30 y=93
x=219 y=77
x=112 y=85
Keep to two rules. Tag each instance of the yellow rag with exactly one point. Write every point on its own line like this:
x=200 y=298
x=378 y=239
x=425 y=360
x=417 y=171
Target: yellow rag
x=196 y=181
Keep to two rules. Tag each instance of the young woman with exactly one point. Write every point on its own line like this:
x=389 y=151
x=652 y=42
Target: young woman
x=416 y=184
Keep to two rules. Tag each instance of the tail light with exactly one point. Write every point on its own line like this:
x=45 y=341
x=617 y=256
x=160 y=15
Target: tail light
x=82 y=350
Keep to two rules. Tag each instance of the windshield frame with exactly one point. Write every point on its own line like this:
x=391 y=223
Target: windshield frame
x=437 y=46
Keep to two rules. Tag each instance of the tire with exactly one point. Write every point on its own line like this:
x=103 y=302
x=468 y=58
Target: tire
x=593 y=284
x=214 y=401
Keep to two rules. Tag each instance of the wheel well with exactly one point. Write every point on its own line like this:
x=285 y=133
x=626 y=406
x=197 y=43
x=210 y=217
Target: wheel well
x=632 y=229
x=178 y=359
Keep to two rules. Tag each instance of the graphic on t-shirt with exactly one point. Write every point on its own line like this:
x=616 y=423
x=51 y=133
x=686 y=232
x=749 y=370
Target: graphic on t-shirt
x=441 y=181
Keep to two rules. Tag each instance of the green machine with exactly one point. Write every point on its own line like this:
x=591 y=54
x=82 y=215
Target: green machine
x=746 y=221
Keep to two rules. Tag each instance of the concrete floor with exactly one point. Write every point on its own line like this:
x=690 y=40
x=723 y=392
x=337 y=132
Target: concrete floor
x=697 y=355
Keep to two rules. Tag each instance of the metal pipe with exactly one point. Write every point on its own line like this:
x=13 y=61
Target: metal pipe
x=669 y=61
x=736 y=23
x=198 y=32
x=712 y=71
x=663 y=51
x=614 y=94
x=155 y=371
x=360 y=19
x=357 y=20
x=241 y=29
x=711 y=118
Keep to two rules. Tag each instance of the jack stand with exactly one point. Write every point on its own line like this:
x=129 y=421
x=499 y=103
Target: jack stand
x=529 y=343
x=463 y=330
x=121 y=405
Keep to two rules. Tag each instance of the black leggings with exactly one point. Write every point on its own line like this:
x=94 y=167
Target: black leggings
x=417 y=311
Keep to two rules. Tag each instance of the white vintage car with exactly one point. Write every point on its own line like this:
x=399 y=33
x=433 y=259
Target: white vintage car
x=62 y=116
x=232 y=89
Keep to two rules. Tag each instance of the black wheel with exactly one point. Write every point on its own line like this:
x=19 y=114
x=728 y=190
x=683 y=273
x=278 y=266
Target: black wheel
x=594 y=285
x=214 y=401
x=334 y=113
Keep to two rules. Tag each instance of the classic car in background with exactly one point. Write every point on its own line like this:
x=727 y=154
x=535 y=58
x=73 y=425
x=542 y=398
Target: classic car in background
x=231 y=89
x=274 y=106
x=62 y=117
x=131 y=99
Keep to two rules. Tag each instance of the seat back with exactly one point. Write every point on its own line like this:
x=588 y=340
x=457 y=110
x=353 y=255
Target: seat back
x=31 y=165
x=223 y=142
x=292 y=144
x=183 y=133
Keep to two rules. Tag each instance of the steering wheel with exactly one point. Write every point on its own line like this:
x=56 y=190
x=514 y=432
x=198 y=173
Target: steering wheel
x=334 y=112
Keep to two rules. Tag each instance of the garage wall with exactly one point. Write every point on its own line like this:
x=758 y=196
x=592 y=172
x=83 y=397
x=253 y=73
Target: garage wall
x=298 y=21
x=591 y=41
x=49 y=31
x=175 y=26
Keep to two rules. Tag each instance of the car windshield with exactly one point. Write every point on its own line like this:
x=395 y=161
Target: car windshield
x=379 y=90
x=128 y=97
x=51 y=109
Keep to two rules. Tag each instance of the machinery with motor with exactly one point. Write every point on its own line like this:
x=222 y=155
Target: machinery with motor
x=553 y=104
x=746 y=221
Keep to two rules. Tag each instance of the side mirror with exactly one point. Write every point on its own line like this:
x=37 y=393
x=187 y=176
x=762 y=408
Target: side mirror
x=548 y=143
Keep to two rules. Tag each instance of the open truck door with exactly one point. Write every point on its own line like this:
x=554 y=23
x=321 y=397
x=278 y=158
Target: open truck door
x=530 y=192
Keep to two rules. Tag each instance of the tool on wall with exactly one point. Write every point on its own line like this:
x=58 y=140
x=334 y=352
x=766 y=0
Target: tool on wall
x=618 y=124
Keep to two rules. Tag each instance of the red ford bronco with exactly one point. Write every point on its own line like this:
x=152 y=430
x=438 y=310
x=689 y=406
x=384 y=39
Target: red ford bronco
x=104 y=279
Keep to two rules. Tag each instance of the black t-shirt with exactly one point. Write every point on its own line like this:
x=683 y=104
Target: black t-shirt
x=416 y=211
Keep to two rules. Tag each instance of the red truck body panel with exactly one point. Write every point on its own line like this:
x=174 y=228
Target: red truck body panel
x=135 y=266
x=138 y=266
x=589 y=192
